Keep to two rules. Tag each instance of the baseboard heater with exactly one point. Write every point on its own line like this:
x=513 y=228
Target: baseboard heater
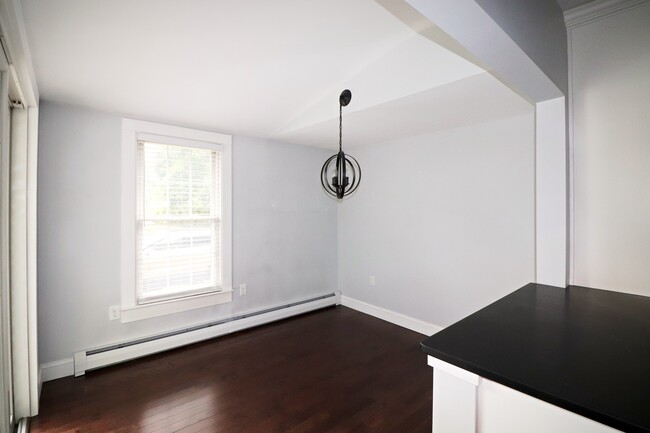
x=22 y=426
x=104 y=356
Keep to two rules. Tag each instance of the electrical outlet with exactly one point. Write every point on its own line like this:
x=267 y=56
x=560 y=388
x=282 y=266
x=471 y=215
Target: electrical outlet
x=242 y=289
x=114 y=312
x=372 y=281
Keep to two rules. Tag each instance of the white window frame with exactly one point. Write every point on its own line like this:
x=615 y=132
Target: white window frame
x=132 y=132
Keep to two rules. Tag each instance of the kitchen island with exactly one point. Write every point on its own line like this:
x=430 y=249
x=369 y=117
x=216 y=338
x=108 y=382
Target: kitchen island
x=545 y=359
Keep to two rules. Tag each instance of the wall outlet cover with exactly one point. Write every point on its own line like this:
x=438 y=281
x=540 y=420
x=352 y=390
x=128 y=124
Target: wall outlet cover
x=114 y=312
x=242 y=289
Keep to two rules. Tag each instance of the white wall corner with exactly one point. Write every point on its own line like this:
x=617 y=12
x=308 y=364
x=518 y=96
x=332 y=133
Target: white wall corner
x=551 y=222
x=56 y=370
x=597 y=10
x=393 y=317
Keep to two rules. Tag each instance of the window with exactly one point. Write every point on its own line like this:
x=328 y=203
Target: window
x=178 y=227
x=176 y=219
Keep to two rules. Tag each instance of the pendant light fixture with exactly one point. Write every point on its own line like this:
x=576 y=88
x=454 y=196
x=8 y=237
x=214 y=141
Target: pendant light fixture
x=341 y=173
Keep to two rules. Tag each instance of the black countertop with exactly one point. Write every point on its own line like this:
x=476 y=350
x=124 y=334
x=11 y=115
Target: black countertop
x=585 y=350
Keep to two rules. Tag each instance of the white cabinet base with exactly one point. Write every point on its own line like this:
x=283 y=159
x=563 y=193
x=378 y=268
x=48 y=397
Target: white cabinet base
x=466 y=403
x=454 y=407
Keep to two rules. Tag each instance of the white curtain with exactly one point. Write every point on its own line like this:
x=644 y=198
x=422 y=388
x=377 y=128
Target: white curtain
x=19 y=371
x=6 y=402
x=22 y=250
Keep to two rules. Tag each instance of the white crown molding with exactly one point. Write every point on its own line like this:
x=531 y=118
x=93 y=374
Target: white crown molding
x=597 y=10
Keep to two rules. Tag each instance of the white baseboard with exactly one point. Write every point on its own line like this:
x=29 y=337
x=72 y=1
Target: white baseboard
x=82 y=362
x=56 y=369
x=398 y=319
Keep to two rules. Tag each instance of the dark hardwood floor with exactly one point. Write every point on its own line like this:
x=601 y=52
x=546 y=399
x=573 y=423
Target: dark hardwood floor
x=331 y=371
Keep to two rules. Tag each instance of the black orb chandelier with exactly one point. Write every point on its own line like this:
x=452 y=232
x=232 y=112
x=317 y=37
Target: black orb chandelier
x=341 y=173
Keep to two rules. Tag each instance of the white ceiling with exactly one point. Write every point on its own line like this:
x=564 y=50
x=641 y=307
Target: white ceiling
x=472 y=100
x=257 y=67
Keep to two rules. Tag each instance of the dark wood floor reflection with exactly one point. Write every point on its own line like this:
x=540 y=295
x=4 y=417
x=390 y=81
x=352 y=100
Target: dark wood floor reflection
x=331 y=371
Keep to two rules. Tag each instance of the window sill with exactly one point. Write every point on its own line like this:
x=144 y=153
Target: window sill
x=141 y=312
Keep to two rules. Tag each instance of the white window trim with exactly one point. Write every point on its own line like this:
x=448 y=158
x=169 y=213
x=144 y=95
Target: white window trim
x=132 y=131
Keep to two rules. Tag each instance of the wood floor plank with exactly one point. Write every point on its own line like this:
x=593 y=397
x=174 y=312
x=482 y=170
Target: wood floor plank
x=331 y=371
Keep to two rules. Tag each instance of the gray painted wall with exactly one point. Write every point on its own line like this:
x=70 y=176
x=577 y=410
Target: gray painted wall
x=284 y=231
x=445 y=222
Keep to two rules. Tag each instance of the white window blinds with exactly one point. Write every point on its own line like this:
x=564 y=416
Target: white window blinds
x=178 y=239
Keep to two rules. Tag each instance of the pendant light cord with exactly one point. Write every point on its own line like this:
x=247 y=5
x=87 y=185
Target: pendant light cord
x=340 y=127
